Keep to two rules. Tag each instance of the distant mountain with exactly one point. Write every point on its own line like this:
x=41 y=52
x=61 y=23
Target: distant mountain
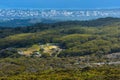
x=30 y=22
x=15 y=23
x=24 y=22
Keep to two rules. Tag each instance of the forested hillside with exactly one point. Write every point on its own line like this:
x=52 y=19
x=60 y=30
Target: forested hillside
x=98 y=37
x=71 y=50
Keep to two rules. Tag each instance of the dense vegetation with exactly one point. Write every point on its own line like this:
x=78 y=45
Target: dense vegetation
x=84 y=44
x=55 y=69
x=75 y=39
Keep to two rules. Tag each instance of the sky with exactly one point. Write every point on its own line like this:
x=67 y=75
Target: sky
x=79 y=4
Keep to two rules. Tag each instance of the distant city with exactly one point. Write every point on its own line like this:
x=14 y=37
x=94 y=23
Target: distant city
x=10 y=14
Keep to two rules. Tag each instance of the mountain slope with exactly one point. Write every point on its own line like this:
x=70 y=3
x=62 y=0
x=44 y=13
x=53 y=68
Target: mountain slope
x=76 y=40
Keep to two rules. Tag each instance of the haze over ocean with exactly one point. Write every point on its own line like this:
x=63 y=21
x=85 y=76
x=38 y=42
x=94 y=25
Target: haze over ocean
x=80 y=4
